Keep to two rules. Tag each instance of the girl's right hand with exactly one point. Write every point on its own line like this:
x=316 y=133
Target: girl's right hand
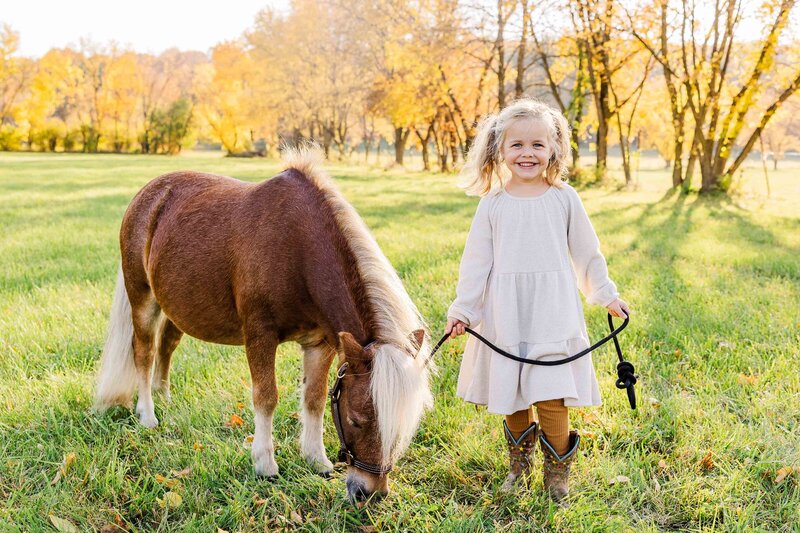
x=454 y=327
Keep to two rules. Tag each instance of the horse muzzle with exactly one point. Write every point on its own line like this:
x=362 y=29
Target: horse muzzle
x=362 y=487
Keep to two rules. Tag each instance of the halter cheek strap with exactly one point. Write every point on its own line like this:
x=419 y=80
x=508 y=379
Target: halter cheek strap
x=345 y=455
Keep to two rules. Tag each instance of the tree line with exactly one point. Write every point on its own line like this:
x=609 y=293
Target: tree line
x=702 y=83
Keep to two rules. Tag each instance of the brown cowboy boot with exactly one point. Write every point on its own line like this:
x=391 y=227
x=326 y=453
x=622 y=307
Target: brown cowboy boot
x=519 y=455
x=556 y=467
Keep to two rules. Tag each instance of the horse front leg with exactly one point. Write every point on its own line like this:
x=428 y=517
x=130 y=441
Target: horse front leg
x=317 y=360
x=261 y=359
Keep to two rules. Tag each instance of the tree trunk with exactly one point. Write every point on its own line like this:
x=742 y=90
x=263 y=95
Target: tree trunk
x=423 y=141
x=501 y=56
x=400 y=138
x=519 y=87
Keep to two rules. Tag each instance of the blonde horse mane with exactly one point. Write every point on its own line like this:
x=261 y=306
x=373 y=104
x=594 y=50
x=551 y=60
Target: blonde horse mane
x=399 y=386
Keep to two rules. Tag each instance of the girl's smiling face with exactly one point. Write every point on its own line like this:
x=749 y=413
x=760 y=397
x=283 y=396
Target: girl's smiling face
x=526 y=149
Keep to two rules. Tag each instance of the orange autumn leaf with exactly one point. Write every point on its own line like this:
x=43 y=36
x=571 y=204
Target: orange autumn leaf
x=167 y=482
x=240 y=406
x=744 y=379
x=784 y=472
x=234 y=421
x=707 y=462
x=198 y=446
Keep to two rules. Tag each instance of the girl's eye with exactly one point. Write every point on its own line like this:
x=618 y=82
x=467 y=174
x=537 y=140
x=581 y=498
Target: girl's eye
x=515 y=145
x=538 y=145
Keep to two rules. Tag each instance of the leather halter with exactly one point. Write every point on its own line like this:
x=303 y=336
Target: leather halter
x=345 y=455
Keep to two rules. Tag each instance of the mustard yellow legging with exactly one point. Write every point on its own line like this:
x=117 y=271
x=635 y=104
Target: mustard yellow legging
x=553 y=422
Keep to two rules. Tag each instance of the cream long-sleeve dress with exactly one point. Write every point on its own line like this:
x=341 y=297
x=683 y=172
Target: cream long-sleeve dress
x=523 y=263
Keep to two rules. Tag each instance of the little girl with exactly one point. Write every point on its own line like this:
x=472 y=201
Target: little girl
x=529 y=249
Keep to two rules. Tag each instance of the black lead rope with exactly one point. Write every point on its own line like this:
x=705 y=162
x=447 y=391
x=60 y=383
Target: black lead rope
x=626 y=378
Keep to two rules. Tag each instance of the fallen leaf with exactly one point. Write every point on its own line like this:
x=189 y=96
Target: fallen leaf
x=182 y=473
x=678 y=353
x=707 y=462
x=662 y=464
x=784 y=472
x=724 y=344
x=111 y=528
x=296 y=518
x=234 y=421
x=260 y=501
x=744 y=379
x=240 y=406
x=171 y=500
x=656 y=485
x=198 y=446
x=655 y=402
x=63 y=525
x=588 y=434
x=167 y=482
x=220 y=530
x=66 y=464
x=248 y=441
x=368 y=529
x=618 y=479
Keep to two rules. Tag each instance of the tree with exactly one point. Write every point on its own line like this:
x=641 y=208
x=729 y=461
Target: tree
x=724 y=95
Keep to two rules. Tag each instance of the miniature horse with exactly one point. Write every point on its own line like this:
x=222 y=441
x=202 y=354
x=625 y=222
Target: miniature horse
x=259 y=264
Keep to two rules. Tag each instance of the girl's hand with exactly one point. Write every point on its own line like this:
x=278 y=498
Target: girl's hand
x=619 y=308
x=454 y=327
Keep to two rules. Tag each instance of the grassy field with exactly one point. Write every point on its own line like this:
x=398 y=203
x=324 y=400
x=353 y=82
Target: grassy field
x=714 y=285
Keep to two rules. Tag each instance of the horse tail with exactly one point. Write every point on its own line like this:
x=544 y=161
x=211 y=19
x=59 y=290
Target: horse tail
x=117 y=377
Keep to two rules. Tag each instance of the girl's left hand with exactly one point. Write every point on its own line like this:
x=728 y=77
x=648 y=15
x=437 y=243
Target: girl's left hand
x=619 y=308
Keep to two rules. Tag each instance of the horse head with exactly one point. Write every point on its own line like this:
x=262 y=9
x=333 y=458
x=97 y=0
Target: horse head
x=377 y=403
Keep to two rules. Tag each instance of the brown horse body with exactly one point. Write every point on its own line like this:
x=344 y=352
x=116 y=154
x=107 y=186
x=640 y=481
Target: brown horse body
x=259 y=264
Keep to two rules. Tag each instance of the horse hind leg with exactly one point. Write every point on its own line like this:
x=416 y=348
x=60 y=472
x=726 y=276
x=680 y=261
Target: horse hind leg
x=169 y=339
x=148 y=327
x=317 y=360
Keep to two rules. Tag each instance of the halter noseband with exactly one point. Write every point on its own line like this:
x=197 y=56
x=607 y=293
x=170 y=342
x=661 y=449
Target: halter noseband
x=345 y=455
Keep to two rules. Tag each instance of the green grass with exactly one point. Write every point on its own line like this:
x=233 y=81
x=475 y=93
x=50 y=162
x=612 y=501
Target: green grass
x=714 y=284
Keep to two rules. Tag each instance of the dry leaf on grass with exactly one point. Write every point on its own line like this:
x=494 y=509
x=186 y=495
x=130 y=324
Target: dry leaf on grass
x=171 y=500
x=234 y=421
x=167 y=482
x=198 y=446
x=619 y=479
x=707 y=462
x=744 y=379
x=63 y=525
x=186 y=472
x=240 y=406
x=655 y=402
x=66 y=464
x=785 y=472
x=662 y=464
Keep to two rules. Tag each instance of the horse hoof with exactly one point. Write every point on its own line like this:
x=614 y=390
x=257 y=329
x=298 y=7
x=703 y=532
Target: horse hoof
x=148 y=421
x=325 y=475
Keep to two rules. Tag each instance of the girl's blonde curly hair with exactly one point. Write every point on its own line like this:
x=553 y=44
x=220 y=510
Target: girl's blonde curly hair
x=483 y=170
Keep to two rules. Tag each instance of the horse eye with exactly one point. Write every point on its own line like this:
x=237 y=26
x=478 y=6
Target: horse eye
x=353 y=423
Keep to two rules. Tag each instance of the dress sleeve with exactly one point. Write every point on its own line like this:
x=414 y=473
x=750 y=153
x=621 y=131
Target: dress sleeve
x=476 y=264
x=584 y=249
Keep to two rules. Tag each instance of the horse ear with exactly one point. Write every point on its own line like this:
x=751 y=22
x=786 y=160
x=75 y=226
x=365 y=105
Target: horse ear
x=349 y=345
x=417 y=337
